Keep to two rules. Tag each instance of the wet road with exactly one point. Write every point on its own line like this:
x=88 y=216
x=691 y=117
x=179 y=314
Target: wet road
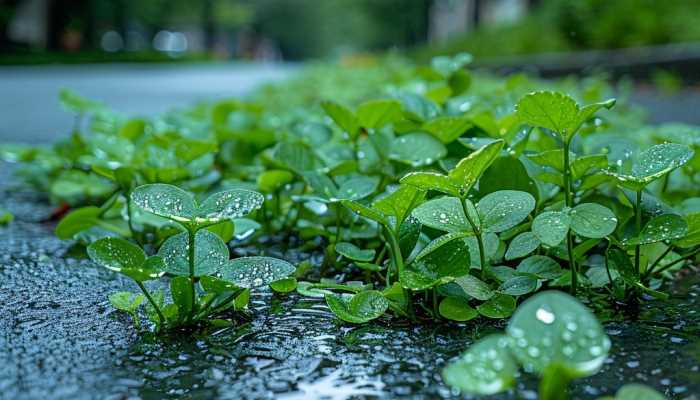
x=30 y=111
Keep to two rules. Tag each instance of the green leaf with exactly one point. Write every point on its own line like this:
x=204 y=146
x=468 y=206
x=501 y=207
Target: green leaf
x=400 y=202
x=229 y=204
x=447 y=129
x=517 y=177
x=409 y=233
x=522 y=245
x=474 y=287
x=77 y=221
x=663 y=227
x=486 y=368
x=126 y=258
x=352 y=252
x=417 y=149
x=442 y=260
x=499 y=306
x=342 y=116
x=469 y=169
x=541 y=266
x=212 y=284
x=432 y=181
x=298 y=157
x=357 y=188
x=457 y=309
x=366 y=212
x=250 y=272
x=654 y=163
x=636 y=391
x=181 y=293
x=210 y=254
x=518 y=285
x=271 y=180
x=377 y=113
x=592 y=220
x=550 y=158
x=553 y=327
x=582 y=165
x=285 y=285
x=126 y=301
x=504 y=209
x=551 y=227
x=165 y=200
x=443 y=213
x=360 y=308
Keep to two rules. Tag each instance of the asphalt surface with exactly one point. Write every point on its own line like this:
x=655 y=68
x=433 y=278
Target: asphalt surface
x=30 y=111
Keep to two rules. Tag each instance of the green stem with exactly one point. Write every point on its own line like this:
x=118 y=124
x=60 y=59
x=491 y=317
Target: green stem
x=161 y=318
x=398 y=262
x=638 y=230
x=191 y=233
x=685 y=257
x=338 y=209
x=568 y=200
x=204 y=310
x=656 y=262
x=485 y=268
x=110 y=201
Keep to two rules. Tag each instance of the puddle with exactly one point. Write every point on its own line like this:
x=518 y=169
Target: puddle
x=60 y=339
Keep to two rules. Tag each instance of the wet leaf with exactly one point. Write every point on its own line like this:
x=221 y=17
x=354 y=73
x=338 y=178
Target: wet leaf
x=541 y=266
x=592 y=220
x=285 y=285
x=126 y=301
x=274 y=179
x=360 y=308
x=342 y=116
x=251 y=272
x=357 y=188
x=366 y=212
x=181 y=292
x=551 y=227
x=442 y=260
x=444 y=214
x=522 y=245
x=352 y=252
x=126 y=258
x=518 y=285
x=432 y=181
x=377 y=113
x=553 y=327
x=210 y=254
x=499 y=306
x=474 y=287
x=229 y=204
x=457 y=309
x=653 y=164
x=77 y=221
x=165 y=200
x=469 y=169
x=486 y=368
x=447 y=129
x=661 y=228
x=504 y=209
x=417 y=149
x=400 y=202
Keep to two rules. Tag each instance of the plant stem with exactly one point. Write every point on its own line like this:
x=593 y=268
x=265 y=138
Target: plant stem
x=568 y=200
x=685 y=257
x=129 y=220
x=191 y=233
x=337 y=224
x=161 y=318
x=638 y=230
x=485 y=269
x=398 y=262
x=656 y=262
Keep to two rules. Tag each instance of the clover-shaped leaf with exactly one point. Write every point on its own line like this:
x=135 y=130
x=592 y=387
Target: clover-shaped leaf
x=592 y=220
x=518 y=285
x=457 y=309
x=251 y=272
x=504 y=209
x=554 y=328
x=522 y=245
x=445 y=214
x=352 y=252
x=359 y=308
x=126 y=258
x=165 y=201
x=663 y=227
x=486 y=368
x=229 y=204
x=474 y=287
x=652 y=164
x=498 y=306
x=551 y=227
x=542 y=267
x=210 y=254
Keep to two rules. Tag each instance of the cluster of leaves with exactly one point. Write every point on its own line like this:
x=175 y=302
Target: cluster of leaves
x=552 y=335
x=433 y=192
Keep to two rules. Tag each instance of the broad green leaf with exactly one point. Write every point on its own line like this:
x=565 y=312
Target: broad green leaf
x=377 y=113
x=285 y=285
x=352 y=252
x=541 y=266
x=417 y=149
x=357 y=188
x=504 y=209
x=522 y=245
x=491 y=246
x=360 y=308
x=342 y=116
x=210 y=254
x=447 y=129
x=636 y=391
x=230 y=204
x=442 y=260
x=77 y=221
x=366 y=212
x=652 y=164
x=274 y=179
x=323 y=186
x=517 y=178
x=457 y=309
x=551 y=227
x=486 y=368
x=553 y=327
x=409 y=233
x=251 y=272
x=469 y=169
x=213 y=284
x=692 y=238
x=444 y=213
x=518 y=285
x=126 y=301
x=499 y=306
x=550 y=158
x=298 y=157
x=592 y=220
x=165 y=200
x=432 y=181
x=181 y=292
x=474 y=287
x=663 y=227
x=124 y=257
x=583 y=164
x=400 y=202
x=224 y=229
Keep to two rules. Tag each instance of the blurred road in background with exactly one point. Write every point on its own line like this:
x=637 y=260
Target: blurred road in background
x=30 y=111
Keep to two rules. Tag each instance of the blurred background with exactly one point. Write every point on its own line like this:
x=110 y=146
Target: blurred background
x=145 y=55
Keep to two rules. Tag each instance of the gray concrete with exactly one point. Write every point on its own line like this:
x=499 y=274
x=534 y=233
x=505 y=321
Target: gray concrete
x=30 y=112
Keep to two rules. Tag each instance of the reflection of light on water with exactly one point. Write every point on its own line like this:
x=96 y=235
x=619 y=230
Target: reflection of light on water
x=331 y=387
